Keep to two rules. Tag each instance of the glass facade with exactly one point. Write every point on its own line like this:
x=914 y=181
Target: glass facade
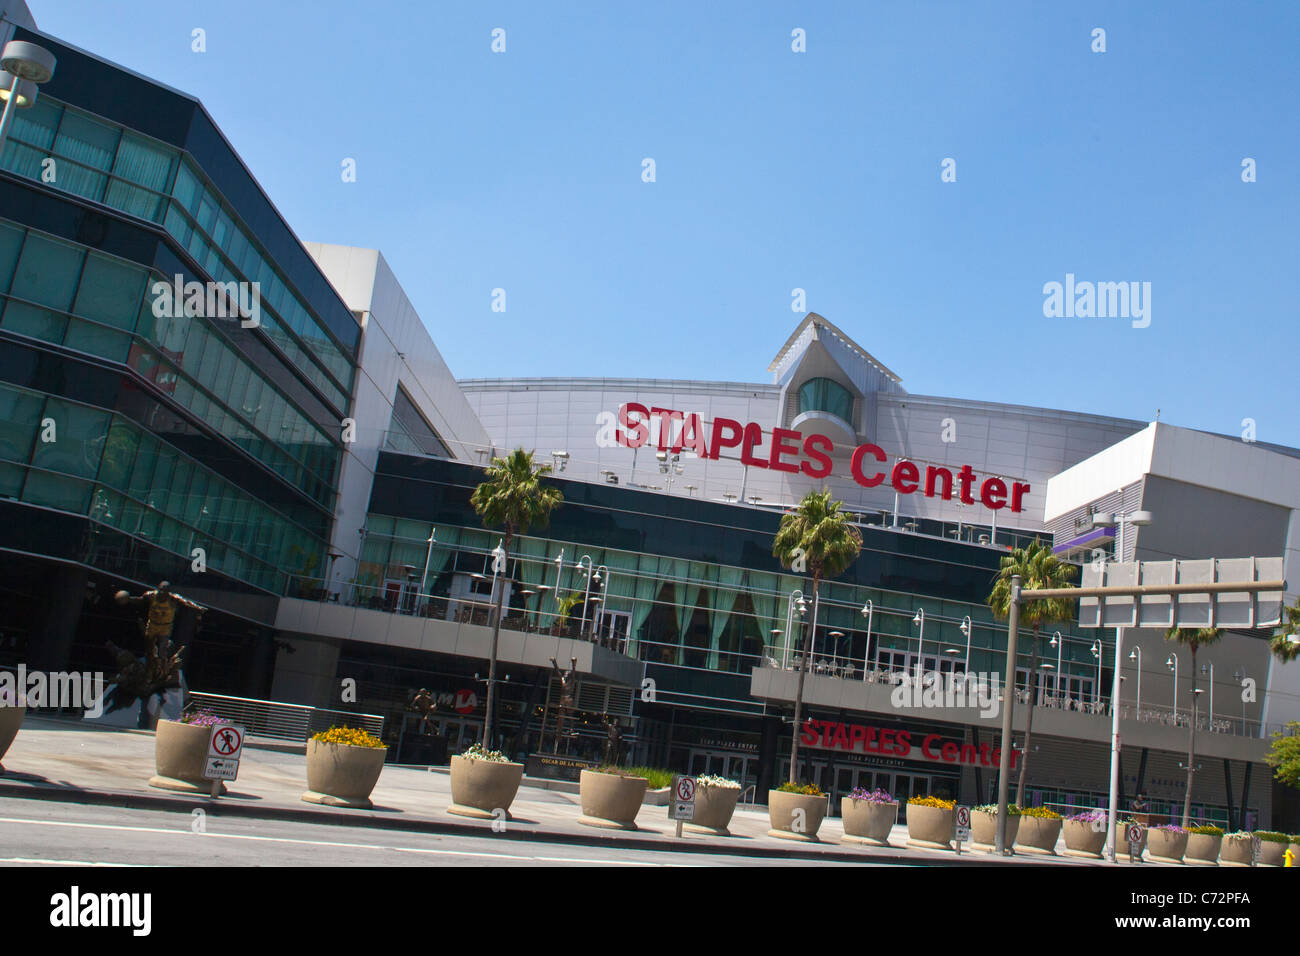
x=824 y=395
x=91 y=461
x=103 y=162
x=62 y=293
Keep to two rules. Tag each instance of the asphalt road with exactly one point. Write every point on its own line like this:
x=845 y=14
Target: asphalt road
x=54 y=833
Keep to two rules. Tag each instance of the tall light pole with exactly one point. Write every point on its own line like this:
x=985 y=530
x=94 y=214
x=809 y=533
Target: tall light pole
x=1211 y=669
x=559 y=566
x=1172 y=664
x=919 y=618
x=1137 y=519
x=25 y=66
x=586 y=591
x=424 y=579
x=1058 y=642
x=1097 y=653
x=796 y=600
x=966 y=629
x=867 y=610
x=1136 y=655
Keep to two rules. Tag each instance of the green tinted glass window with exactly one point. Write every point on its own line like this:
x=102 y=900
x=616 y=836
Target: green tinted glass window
x=110 y=291
x=824 y=395
x=20 y=416
x=80 y=434
x=11 y=243
x=47 y=272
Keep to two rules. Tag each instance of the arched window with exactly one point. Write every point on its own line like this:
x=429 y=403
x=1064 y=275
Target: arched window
x=824 y=395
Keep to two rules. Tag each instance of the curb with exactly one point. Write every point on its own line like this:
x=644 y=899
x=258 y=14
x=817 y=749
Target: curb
x=335 y=818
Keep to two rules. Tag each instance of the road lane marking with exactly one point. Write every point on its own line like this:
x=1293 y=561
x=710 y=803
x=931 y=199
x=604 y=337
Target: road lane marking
x=29 y=859
x=325 y=843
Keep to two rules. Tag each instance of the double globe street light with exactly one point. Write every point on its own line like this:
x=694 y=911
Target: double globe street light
x=23 y=67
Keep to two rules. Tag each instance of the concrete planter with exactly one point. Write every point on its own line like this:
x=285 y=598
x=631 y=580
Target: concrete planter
x=1295 y=853
x=1166 y=846
x=713 y=809
x=11 y=718
x=1203 y=849
x=1083 y=841
x=867 y=822
x=180 y=753
x=480 y=788
x=796 y=816
x=1038 y=835
x=1270 y=854
x=930 y=828
x=610 y=800
x=984 y=830
x=1235 y=851
x=342 y=775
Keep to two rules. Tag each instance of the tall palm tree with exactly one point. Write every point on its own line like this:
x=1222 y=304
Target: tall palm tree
x=1286 y=643
x=1192 y=638
x=1038 y=569
x=511 y=496
x=818 y=539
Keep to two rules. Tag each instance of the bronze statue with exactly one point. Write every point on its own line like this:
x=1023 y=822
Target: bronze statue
x=613 y=740
x=160 y=668
x=568 y=686
x=426 y=705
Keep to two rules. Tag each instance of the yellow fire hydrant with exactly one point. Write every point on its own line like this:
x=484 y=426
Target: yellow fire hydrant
x=1288 y=857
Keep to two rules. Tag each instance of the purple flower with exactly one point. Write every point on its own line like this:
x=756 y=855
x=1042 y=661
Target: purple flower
x=871 y=796
x=1088 y=816
x=1170 y=827
x=203 y=718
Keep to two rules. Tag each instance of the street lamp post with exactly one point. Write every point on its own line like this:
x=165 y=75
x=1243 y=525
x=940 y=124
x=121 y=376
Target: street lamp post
x=966 y=628
x=1097 y=653
x=1211 y=670
x=796 y=598
x=559 y=567
x=919 y=618
x=1058 y=642
x=1172 y=664
x=1008 y=709
x=424 y=579
x=1137 y=519
x=867 y=610
x=1136 y=655
x=24 y=67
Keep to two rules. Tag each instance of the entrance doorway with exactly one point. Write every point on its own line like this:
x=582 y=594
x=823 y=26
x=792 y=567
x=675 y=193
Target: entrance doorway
x=742 y=768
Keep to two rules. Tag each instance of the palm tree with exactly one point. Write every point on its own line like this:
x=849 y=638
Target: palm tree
x=1038 y=569
x=1192 y=638
x=513 y=497
x=817 y=538
x=1286 y=643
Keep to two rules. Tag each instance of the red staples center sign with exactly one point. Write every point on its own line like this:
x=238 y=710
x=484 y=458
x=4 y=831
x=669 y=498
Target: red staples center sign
x=889 y=742
x=792 y=451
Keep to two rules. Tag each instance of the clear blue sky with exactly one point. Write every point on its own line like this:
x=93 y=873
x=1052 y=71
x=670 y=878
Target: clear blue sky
x=778 y=170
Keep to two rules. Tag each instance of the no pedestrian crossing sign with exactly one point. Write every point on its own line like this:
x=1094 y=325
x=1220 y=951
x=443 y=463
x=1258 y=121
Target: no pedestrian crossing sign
x=224 y=748
x=684 y=798
x=963 y=827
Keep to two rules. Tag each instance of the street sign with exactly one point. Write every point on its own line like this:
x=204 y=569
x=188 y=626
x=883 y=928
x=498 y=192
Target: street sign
x=225 y=746
x=962 y=830
x=226 y=742
x=1134 y=833
x=1186 y=609
x=682 y=806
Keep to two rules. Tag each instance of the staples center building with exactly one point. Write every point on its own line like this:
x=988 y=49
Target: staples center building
x=331 y=560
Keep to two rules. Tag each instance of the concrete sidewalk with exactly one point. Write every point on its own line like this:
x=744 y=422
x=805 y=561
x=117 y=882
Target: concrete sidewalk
x=56 y=760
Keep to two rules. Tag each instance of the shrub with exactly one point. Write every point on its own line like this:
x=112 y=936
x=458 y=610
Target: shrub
x=1238 y=836
x=202 y=718
x=807 y=789
x=1043 y=813
x=992 y=809
x=870 y=796
x=655 y=778
x=1272 y=836
x=722 y=783
x=479 y=752
x=1170 y=828
x=1295 y=838
x=937 y=802
x=352 y=736
x=1206 y=829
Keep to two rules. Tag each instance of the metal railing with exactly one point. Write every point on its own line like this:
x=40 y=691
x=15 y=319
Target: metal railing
x=282 y=721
